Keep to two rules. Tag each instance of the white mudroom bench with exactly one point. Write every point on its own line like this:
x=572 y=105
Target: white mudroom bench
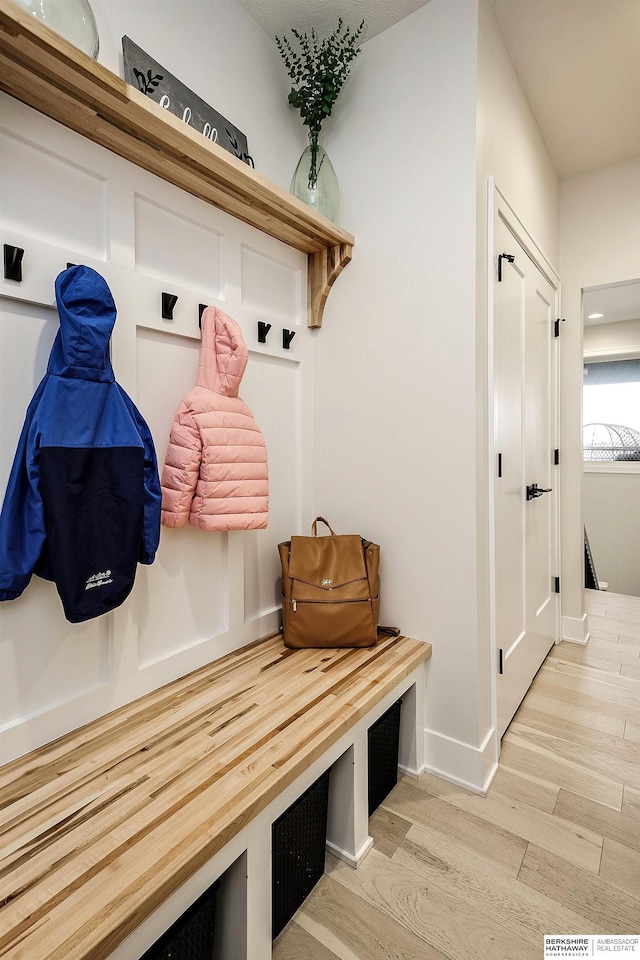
x=108 y=834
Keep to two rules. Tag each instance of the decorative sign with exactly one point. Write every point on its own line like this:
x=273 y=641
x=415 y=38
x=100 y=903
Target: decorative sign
x=145 y=73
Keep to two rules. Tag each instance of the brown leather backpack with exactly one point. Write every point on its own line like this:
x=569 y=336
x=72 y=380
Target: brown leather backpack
x=329 y=590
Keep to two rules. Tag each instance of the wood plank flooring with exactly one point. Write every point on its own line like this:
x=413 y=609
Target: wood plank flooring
x=553 y=849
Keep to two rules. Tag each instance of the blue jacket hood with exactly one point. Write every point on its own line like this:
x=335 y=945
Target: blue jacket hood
x=87 y=316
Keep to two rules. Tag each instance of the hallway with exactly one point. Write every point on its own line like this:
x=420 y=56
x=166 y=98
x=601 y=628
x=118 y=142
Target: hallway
x=553 y=849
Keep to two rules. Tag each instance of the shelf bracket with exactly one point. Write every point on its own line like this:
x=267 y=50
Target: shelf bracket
x=324 y=267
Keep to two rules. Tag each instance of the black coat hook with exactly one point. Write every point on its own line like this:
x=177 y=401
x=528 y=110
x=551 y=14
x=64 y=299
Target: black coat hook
x=263 y=330
x=13 y=262
x=169 y=301
x=201 y=309
x=69 y=265
x=287 y=337
x=503 y=256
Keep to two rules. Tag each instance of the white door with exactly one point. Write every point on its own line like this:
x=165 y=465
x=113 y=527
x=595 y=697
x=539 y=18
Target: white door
x=525 y=357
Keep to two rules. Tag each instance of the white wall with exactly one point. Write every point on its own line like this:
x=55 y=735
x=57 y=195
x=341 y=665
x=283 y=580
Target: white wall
x=599 y=244
x=219 y=52
x=395 y=404
x=608 y=337
x=612 y=519
x=401 y=363
x=510 y=145
x=612 y=499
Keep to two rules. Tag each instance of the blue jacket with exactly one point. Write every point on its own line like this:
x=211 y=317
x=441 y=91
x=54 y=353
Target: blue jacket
x=82 y=506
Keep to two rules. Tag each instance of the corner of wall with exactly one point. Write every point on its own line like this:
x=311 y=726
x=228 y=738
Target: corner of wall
x=472 y=768
x=574 y=629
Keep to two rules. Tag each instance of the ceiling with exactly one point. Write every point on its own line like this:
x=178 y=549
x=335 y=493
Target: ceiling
x=578 y=62
x=279 y=16
x=617 y=302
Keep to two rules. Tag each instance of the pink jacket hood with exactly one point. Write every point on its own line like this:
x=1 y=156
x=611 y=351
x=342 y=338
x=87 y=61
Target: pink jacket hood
x=223 y=354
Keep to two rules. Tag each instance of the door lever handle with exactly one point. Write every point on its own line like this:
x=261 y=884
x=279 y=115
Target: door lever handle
x=533 y=491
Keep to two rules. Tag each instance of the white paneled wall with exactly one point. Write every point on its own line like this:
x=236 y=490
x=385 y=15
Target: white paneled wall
x=35 y=188
x=174 y=248
x=65 y=199
x=276 y=387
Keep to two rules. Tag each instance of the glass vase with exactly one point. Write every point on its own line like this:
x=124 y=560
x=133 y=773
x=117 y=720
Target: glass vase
x=72 y=19
x=314 y=180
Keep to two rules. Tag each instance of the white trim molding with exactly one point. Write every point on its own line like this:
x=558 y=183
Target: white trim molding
x=612 y=466
x=612 y=353
x=412 y=772
x=348 y=857
x=461 y=763
x=574 y=629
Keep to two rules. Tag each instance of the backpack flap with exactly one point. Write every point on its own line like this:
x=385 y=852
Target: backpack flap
x=328 y=568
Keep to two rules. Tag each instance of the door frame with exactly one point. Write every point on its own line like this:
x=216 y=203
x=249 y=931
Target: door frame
x=498 y=207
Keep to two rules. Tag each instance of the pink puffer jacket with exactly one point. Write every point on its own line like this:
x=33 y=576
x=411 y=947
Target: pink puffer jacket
x=215 y=473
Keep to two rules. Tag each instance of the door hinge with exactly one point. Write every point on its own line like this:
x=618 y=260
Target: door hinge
x=500 y=660
x=556 y=326
x=499 y=464
x=503 y=256
x=556 y=457
x=556 y=584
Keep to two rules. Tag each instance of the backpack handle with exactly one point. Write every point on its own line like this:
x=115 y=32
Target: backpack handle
x=314 y=526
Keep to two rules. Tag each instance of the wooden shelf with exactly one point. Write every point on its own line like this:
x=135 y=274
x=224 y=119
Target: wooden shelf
x=49 y=74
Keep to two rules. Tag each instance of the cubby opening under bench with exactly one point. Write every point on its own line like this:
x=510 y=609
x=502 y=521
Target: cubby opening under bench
x=110 y=833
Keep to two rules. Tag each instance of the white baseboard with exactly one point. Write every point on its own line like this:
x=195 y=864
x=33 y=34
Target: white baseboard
x=489 y=780
x=349 y=857
x=461 y=763
x=415 y=774
x=574 y=629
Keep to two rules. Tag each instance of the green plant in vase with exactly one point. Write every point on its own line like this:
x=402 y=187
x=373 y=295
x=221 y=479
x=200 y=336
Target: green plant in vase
x=318 y=69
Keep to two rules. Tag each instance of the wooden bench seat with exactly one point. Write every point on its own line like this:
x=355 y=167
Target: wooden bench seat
x=98 y=828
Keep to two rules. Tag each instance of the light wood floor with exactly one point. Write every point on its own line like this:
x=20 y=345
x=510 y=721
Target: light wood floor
x=553 y=849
